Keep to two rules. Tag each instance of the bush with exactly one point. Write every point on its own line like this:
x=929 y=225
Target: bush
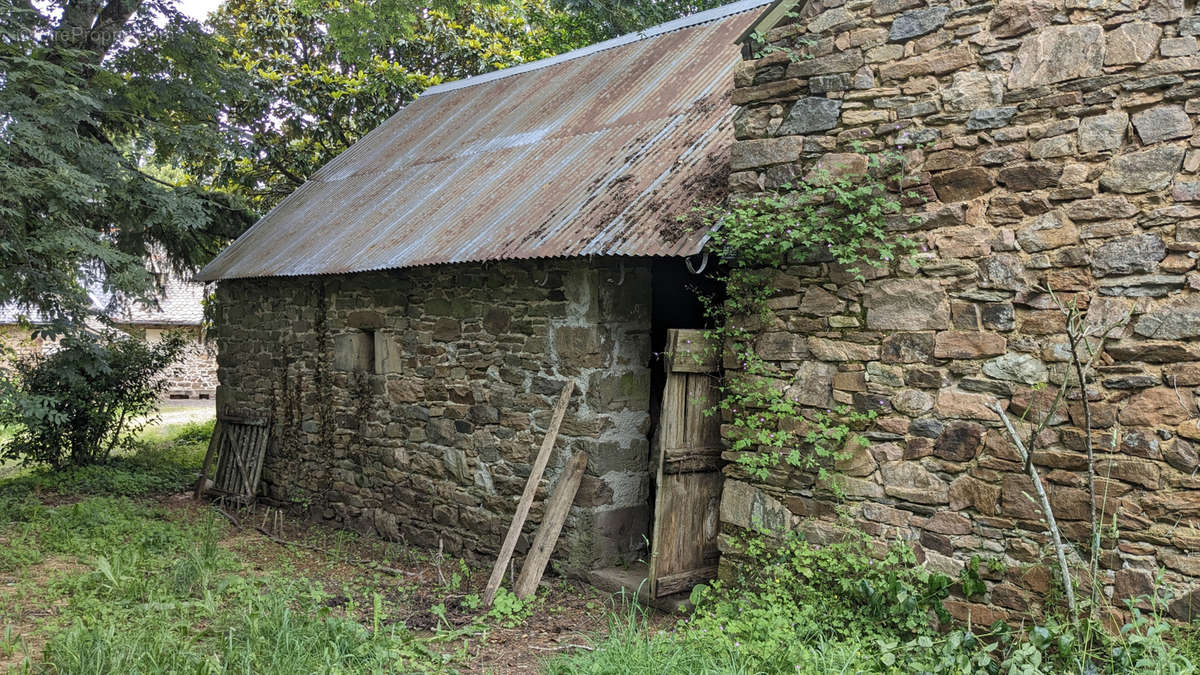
x=79 y=404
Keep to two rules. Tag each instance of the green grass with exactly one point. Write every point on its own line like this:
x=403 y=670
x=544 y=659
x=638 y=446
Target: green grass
x=139 y=588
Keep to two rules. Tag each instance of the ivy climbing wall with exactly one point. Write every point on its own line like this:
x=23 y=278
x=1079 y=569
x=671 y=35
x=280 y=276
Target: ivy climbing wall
x=1048 y=144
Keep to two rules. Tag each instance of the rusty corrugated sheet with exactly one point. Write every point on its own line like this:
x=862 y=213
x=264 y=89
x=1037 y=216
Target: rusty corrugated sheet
x=594 y=152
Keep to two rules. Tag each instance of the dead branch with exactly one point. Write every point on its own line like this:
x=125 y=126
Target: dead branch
x=1055 y=534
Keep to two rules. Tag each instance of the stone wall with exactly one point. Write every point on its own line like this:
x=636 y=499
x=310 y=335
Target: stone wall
x=1055 y=144
x=411 y=403
x=193 y=377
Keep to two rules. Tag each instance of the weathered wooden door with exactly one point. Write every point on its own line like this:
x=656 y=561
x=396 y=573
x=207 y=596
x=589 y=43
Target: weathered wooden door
x=688 y=472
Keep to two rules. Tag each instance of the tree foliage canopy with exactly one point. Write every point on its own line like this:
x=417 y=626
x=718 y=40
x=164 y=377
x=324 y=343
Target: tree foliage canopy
x=92 y=94
x=129 y=130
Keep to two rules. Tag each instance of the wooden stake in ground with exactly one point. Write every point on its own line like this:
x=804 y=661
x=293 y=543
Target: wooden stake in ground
x=547 y=534
x=535 y=475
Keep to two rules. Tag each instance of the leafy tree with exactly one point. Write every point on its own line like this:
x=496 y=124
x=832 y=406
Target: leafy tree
x=77 y=405
x=323 y=73
x=91 y=92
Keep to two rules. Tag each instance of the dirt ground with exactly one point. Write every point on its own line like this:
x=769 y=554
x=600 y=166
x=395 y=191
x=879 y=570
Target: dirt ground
x=568 y=614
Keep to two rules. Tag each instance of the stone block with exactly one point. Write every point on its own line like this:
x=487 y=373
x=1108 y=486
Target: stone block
x=1015 y=367
x=1143 y=170
x=973 y=89
x=1102 y=132
x=911 y=482
x=1047 y=231
x=962 y=184
x=764 y=152
x=813 y=384
x=1057 y=54
x=1138 y=254
x=1131 y=43
x=1158 y=406
x=1162 y=123
x=939 y=62
x=959 y=441
x=810 y=114
x=354 y=352
x=917 y=22
x=906 y=304
x=907 y=348
x=959 y=344
x=962 y=405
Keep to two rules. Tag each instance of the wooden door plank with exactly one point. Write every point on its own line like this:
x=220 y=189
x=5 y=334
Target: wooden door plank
x=670 y=435
x=557 y=508
x=213 y=442
x=535 y=475
x=689 y=351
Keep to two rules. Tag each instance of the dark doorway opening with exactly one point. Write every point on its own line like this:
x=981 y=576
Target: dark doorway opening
x=676 y=301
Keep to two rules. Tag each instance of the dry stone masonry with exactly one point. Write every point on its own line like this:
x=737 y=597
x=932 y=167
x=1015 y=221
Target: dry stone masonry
x=409 y=403
x=1054 y=143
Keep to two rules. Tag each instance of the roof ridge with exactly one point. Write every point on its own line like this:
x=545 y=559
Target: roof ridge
x=696 y=19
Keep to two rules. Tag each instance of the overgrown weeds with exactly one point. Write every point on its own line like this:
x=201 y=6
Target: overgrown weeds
x=799 y=608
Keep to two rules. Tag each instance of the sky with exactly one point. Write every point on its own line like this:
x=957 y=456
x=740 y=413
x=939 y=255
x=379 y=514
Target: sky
x=198 y=9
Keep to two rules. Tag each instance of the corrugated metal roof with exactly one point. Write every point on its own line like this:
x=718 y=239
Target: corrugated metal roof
x=593 y=152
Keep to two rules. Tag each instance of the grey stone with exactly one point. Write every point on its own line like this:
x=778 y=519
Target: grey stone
x=809 y=114
x=1048 y=231
x=1189 y=25
x=1101 y=208
x=840 y=62
x=1058 y=146
x=813 y=384
x=1003 y=270
x=917 y=136
x=1102 y=132
x=456 y=464
x=750 y=508
x=1181 y=46
x=906 y=304
x=1017 y=368
x=1179 y=320
x=973 y=89
x=912 y=402
x=1134 y=42
x=1014 y=17
x=1057 y=54
x=1143 y=171
x=1162 y=123
x=1138 y=254
x=917 y=22
x=1143 y=286
x=764 y=152
x=926 y=428
x=990 y=118
x=826 y=83
x=911 y=482
x=829 y=19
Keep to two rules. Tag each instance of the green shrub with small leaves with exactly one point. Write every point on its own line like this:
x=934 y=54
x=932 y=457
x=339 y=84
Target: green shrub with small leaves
x=85 y=400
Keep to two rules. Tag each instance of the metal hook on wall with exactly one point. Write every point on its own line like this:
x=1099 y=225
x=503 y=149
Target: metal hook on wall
x=692 y=268
x=545 y=280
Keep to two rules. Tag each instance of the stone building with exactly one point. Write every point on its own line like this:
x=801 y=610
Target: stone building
x=407 y=317
x=177 y=306
x=1055 y=144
